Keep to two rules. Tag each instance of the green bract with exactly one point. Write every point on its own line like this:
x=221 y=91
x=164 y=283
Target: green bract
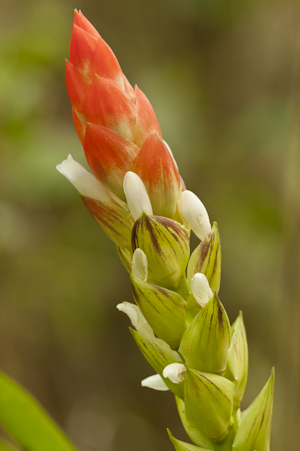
x=206 y=259
x=238 y=357
x=116 y=222
x=208 y=402
x=159 y=355
x=206 y=341
x=182 y=446
x=166 y=245
x=163 y=309
x=125 y=256
x=192 y=431
x=254 y=431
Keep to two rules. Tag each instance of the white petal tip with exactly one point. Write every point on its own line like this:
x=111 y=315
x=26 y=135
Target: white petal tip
x=201 y=289
x=175 y=372
x=155 y=382
x=194 y=213
x=136 y=195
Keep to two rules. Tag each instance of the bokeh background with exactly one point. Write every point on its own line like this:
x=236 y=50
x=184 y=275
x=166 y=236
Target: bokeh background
x=223 y=77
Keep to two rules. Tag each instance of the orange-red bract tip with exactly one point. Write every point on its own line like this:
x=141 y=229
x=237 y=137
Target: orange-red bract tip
x=156 y=167
x=79 y=126
x=77 y=85
x=109 y=156
x=82 y=47
x=81 y=21
x=146 y=122
x=106 y=104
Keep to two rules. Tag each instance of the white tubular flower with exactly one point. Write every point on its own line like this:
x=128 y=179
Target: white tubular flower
x=83 y=180
x=140 y=265
x=194 y=214
x=175 y=372
x=136 y=195
x=201 y=289
x=137 y=319
x=155 y=382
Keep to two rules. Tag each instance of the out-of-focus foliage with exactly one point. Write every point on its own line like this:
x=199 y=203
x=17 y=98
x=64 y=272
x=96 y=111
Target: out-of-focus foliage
x=223 y=79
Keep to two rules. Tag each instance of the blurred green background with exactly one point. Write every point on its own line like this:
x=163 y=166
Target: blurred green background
x=223 y=77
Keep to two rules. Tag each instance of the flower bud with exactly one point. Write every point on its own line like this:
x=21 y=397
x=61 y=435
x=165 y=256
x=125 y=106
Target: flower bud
x=166 y=245
x=140 y=265
x=182 y=446
x=175 y=372
x=194 y=214
x=238 y=357
x=158 y=354
x=206 y=341
x=137 y=197
x=206 y=259
x=164 y=310
x=155 y=382
x=137 y=319
x=255 y=428
x=208 y=402
x=201 y=289
x=84 y=181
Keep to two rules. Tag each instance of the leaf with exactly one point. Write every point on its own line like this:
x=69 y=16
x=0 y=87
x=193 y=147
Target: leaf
x=6 y=446
x=26 y=421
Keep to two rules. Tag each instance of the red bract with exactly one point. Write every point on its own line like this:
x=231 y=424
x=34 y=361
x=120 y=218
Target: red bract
x=116 y=123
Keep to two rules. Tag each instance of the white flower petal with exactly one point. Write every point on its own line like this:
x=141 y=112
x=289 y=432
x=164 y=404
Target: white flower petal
x=140 y=265
x=136 y=195
x=83 y=180
x=137 y=319
x=194 y=214
x=155 y=382
x=201 y=289
x=175 y=372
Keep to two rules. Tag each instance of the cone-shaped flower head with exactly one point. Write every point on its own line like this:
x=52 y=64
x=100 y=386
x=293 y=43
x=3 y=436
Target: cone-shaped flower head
x=194 y=214
x=116 y=123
